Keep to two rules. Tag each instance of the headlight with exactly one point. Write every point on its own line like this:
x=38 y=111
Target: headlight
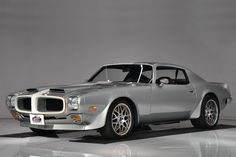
x=11 y=101
x=73 y=103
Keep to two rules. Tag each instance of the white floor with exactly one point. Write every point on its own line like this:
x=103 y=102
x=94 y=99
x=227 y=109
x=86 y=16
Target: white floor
x=179 y=140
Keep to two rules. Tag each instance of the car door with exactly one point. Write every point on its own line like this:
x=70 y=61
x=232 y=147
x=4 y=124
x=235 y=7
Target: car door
x=141 y=91
x=173 y=99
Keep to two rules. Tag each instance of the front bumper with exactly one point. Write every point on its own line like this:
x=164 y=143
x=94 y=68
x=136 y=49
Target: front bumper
x=62 y=123
x=55 y=126
x=87 y=121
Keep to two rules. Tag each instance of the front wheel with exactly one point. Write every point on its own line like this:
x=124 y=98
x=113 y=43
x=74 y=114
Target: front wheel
x=209 y=113
x=120 y=121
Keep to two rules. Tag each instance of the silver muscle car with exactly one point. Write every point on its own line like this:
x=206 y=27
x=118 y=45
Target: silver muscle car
x=121 y=97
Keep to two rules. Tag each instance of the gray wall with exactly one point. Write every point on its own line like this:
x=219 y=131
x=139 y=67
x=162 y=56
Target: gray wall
x=61 y=42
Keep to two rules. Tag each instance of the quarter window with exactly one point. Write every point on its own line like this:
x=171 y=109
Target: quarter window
x=181 y=77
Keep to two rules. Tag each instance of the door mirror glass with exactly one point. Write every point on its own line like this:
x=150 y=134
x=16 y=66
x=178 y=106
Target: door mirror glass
x=162 y=81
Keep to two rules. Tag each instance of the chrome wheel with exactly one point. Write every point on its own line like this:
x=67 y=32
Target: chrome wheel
x=211 y=112
x=121 y=119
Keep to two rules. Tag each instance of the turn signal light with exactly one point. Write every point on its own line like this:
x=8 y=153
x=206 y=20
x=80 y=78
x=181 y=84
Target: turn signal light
x=76 y=118
x=92 y=109
x=16 y=115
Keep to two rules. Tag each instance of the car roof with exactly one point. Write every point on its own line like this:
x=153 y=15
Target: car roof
x=151 y=63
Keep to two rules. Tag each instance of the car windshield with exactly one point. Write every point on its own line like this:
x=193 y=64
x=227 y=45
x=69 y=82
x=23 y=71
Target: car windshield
x=123 y=73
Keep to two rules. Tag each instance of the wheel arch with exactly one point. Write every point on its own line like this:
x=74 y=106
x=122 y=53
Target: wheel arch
x=196 y=113
x=201 y=121
x=211 y=94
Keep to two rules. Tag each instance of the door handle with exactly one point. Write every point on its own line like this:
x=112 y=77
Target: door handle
x=190 y=91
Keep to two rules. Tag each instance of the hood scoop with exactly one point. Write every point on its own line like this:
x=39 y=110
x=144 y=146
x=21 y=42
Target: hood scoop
x=34 y=90
x=57 y=90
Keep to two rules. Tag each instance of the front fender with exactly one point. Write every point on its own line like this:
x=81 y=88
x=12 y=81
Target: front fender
x=102 y=101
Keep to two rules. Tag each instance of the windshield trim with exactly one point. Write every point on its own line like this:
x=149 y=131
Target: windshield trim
x=106 y=66
x=141 y=71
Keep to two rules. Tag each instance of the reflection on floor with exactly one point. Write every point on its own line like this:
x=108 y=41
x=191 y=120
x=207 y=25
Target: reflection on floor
x=170 y=140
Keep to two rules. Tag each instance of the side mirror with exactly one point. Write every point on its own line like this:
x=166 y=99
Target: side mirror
x=163 y=81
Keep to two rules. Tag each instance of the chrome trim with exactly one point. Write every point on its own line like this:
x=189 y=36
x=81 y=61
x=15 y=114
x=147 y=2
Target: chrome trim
x=141 y=71
x=34 y=105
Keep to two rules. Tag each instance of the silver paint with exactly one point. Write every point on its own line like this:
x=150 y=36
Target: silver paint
x=153 y=103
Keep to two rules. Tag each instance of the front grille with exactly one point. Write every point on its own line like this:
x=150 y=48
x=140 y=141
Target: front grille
x=24 y=104
x=49 y=105
x=42 y=104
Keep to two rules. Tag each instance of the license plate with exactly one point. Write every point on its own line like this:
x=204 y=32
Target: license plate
x=36 y=119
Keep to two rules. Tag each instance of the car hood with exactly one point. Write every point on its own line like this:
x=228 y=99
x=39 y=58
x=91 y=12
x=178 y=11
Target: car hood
x=77 y=89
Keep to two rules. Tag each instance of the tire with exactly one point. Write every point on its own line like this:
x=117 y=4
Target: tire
x=43 y=132
x=210 y=112
x=119 y=121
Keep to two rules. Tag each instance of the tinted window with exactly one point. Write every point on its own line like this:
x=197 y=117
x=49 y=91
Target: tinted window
x=174 y=75
x=166 y=73
x=181 y=77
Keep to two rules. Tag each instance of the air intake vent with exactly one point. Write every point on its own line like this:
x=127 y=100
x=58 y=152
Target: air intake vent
x=50 y=105
x=24 y=104
x=32 y=90
x=57 y=90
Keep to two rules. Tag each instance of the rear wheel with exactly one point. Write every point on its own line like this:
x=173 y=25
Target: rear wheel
x=43 y=132
x=120 y=121
x=209 y=113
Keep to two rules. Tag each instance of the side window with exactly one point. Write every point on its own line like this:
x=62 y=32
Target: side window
x=146 y=76
x=167 y=73
x=181 y=77
x=172 y=74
